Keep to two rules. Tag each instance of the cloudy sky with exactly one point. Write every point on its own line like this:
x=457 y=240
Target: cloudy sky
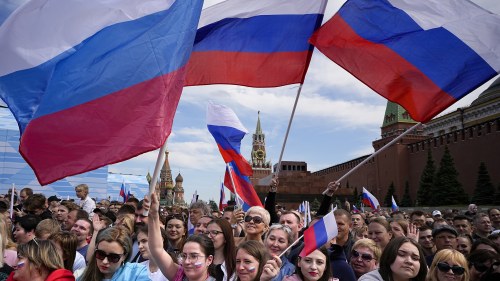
x=337 y=119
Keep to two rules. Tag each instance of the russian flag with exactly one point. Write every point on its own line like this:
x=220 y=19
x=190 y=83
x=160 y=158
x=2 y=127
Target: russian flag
x=223 y=199
x=243 y=187
x=92 y=83
x=355 y=209
x=124 y=192
x=254 y=43
x=423 y=55
x=228 y=132
x=370 y=200
x=319 y=234
x=394 y=206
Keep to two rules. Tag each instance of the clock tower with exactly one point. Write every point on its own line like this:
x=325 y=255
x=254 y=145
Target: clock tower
x=260 y=166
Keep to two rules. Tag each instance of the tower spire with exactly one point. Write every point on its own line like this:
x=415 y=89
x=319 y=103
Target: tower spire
x=258 y=130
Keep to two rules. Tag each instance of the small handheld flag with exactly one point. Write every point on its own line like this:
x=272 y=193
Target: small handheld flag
x=318 y=234
x=394 y=205
x=370 y=200
x=223 y=199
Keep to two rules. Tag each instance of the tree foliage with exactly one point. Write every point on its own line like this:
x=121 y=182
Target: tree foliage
x=388 y=197
x=426 y=180
x=484 y=187
x=447 y=190
x=406 y=200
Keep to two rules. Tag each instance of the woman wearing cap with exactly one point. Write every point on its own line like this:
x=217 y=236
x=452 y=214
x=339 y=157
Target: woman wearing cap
x=448 y=265
x=401 y=260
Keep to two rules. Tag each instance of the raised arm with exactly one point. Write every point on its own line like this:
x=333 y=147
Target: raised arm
x=270 y=204
x=327 y=198
x=164 y=261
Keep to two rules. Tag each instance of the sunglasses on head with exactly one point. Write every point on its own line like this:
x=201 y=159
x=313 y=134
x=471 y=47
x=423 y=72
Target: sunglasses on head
x=366 y=257
x=113 y=258
x=255 y=219
x=444 y=267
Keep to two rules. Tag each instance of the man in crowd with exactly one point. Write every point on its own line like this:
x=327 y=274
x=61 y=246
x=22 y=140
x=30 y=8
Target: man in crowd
x=86 y=203
x=344 y=225
x=417 y=218
x=425 y=240
x=444 y=237
x=73 y=216
x=139 y=214
x=462 y=224
x=482 y=226
x=36 y=204
x=494 y=214
x=197 y=210
x=294 y=220
x=357 y=221
x=83 y=230
x=471 y=211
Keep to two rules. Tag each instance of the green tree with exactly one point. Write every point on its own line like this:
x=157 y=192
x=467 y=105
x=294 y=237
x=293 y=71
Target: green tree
x=213 y=205
x=406 y=201
x=388 y=196
x=497 y=196
x=484 y=187
x=426 y=180
x=355 y=196
x=447 y=190
x=315 y=205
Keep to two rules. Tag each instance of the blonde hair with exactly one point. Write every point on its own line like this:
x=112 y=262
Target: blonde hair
x=42 y=254
x=451 y=256
x=47 y=226
x=266 y=217
x=370 y=244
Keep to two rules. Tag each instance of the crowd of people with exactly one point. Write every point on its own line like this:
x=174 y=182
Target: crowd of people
x=48 y=239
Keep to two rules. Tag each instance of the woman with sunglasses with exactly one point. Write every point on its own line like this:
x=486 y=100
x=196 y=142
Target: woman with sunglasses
x=221 y=233
x=113 y=248
x=256 y=224
x=176 y=229
x=448 y=265
x=197 y=253
x=402 y=260
x=313 y=267
x=38 y=260
x=479 y=263
x=278 y=238
x=365 y=257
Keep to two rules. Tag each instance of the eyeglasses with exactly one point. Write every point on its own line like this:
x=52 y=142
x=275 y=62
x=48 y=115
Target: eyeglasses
x=113 y=258
x=366 y=257
x=212 y=233
x=190 y=257
x=480 y=267
x=255 y=219
x=444 y=267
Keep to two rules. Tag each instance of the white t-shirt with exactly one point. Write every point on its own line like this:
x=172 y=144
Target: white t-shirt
x=154 y=276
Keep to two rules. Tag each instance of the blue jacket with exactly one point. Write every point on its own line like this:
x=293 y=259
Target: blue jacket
x=130 y=272
x=287 y=268
x=340 y=268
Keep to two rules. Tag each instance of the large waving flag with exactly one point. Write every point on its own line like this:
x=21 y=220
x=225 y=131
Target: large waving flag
x=370 y=200
x=423 y=55
x=92 y=83
x=319 y=233
x=228 y=132
x=254 y=43
x=243 y=187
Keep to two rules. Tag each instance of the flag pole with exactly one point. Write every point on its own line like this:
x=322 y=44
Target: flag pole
x=159 y=161
x=234 y=186
x=12 y=201
x=291 y=245
x=288 y=129
x=376 y=152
